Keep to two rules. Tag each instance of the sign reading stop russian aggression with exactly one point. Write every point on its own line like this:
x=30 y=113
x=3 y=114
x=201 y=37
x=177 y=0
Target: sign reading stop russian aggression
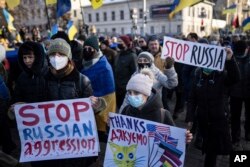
x=57 y=130
x=196 y=54
x=142 y=143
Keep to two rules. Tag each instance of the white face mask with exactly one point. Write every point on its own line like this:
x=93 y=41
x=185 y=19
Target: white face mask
x=58 y=62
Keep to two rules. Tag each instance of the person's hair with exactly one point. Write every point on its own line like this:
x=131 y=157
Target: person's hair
x=193 y=35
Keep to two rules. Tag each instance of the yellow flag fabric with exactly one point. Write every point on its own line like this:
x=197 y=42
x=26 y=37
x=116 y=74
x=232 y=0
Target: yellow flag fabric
x=102 y=117
x=72 y=32
x=182 y=4
x=96 y=3
x=12 y=3
x=50 y=2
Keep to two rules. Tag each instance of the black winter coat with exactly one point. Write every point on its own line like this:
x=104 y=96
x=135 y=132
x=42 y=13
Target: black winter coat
x=31 y=84
x=242 y=88
x=125 y=66
x=207 y=100
x=68 y=87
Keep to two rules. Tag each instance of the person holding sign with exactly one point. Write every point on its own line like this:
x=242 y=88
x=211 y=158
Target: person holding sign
x=167 y=79
x=145 y=102
x=206 y=100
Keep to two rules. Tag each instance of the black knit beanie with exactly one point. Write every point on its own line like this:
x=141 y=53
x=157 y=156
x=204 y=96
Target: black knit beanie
x=93 y=42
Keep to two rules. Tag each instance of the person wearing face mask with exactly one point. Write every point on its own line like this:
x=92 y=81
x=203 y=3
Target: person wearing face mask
x=206 y=103
x=144 y=101
x=108 y=52
x=168 y=78
x=66 y=82
x=125 y=66
x=97 y=68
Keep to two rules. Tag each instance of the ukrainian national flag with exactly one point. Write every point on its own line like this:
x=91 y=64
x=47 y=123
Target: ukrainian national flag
x=63 y=6
x=96 y=3
x=50 y=2
x=72 y=30
x=12 y=3
x=246 y=24
x=182 y=4
x=9 y=19
x=230 y=9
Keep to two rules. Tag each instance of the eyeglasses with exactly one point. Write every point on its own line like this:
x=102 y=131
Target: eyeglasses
x=141 y=41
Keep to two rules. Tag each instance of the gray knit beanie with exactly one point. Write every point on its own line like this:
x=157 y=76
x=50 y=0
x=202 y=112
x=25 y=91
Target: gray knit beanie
x=61 y=46
x=146 y=55
x=141 y=82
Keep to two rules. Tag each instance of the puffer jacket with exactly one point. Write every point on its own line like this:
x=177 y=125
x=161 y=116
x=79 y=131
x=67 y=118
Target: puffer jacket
x=31 y=84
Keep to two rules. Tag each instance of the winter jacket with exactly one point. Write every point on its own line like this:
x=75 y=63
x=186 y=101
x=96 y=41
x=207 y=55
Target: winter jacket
x=31 y=84
x=125 y=66
x=242 y=88
x=68 y=87
x=110 y=55
x=207 y=101
x=103 y=86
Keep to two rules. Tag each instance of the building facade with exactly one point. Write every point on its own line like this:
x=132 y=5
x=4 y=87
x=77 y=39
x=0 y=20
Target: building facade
x=127 y=16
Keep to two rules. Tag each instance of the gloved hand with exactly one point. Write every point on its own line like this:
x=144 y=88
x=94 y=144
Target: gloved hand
x=169 y=62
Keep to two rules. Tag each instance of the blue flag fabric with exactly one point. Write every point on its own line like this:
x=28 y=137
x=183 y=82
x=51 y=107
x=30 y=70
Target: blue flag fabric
x=63 y=6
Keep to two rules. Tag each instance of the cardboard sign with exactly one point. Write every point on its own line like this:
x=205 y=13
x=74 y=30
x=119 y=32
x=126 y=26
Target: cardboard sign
x=196 y=54
x=57 y=130
x=138 y=142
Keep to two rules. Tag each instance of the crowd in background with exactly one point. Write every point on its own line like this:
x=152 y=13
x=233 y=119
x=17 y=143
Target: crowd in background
x=125 y=74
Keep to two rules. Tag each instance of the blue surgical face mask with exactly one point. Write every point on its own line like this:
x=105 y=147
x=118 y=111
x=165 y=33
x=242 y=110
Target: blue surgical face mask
x=135 y=101
x=207 y=71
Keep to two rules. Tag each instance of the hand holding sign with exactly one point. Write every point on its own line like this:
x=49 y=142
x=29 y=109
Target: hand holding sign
x=229 y=53
x=169 y=62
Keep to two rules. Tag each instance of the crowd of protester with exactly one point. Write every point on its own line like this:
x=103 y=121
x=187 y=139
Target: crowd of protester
x=125 y=74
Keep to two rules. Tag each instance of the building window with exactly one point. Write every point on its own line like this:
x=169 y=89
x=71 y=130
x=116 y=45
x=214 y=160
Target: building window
x=141 y=13
x=152 y=30
x=193 y=11
x=163 y=29
x=189 y=11
x=122 y=30
x=113 y=15
x=141 y=31
x=113 y=30
x=178 y=28
x=122 y=15
x=75 y=13
x=90 y=18
x=98 y=31
x=104 y=16
x=106 y=31
x=198 y=12
x=97 y=17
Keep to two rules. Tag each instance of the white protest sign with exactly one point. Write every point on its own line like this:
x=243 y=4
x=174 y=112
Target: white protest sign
x=193 y=53
x=138 y=142
x=57 y=130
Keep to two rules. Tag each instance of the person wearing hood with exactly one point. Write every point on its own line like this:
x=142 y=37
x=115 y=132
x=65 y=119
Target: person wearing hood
x=30 y=84
x=168 y=78
x=239 y=94
x=97 y=68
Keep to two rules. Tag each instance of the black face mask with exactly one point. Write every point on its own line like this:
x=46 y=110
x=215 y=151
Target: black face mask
x=120 y=46
x=144 y=65
x=88 y=54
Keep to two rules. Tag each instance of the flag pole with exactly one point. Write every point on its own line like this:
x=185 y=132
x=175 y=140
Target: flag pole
x=47 y=13
x=83 y=23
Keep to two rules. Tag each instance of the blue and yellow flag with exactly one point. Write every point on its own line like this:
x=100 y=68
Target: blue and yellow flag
x=63 y=6
x=72 y=30
x=12 y=3
x=9 y=19
x=182 y=4
x=51 y=2
x=230 y=9
x=96 y=3
x=246 y=24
